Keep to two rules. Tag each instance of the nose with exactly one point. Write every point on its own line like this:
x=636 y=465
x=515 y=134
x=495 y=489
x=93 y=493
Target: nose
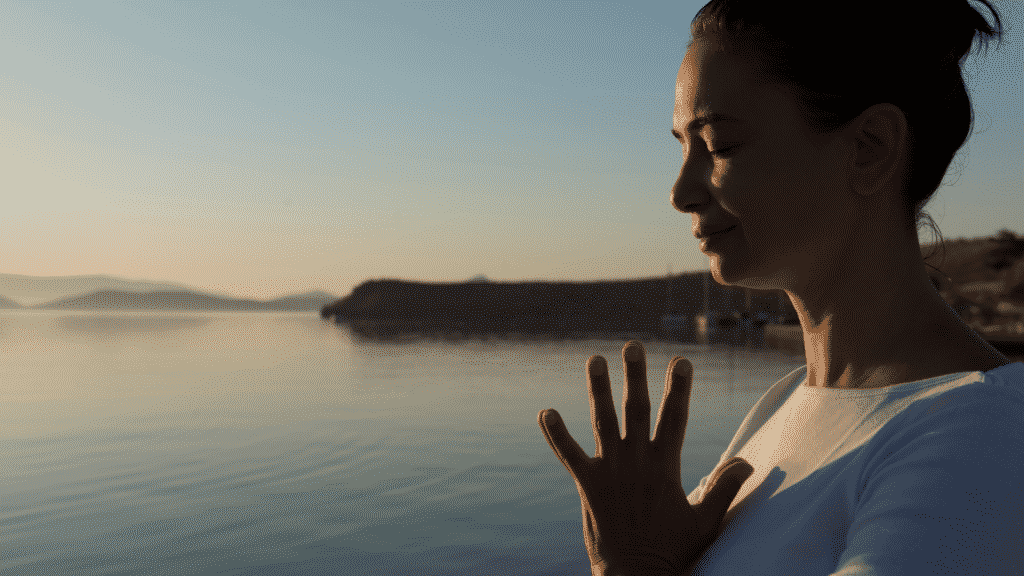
x=690 y=189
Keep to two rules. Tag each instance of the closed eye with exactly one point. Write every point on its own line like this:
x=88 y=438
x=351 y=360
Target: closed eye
x=723 y=152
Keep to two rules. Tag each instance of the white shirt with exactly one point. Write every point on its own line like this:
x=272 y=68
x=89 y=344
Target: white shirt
x=916 y=478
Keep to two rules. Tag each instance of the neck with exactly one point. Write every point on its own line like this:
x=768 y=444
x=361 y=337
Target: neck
x=880 y=321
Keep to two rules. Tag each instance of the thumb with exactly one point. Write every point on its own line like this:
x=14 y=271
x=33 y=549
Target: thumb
x=724 y=487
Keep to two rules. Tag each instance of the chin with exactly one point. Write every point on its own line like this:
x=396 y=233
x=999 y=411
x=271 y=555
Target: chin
x=726 y=273
x=735 y=272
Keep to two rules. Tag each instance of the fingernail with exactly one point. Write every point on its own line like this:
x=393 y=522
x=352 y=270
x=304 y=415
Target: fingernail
x=597 y=366
x=681 y=367
x=741 y=468
x=633 y=352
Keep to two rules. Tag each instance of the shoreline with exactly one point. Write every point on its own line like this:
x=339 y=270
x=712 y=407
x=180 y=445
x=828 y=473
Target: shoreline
x=786 y=338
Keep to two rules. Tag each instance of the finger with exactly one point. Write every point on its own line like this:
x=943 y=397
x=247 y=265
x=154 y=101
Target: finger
x=636 y=403
x=562 y=443
x=674 y=413
x=722 y=490
x=602 y=407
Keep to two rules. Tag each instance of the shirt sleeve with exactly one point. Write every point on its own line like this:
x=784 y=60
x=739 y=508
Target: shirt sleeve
x=940 y=494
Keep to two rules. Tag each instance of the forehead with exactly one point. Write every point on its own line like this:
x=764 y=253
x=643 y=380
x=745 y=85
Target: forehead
x=714 y=82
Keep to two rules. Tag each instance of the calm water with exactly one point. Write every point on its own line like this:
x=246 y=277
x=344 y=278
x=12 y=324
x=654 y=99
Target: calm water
x=270 y=444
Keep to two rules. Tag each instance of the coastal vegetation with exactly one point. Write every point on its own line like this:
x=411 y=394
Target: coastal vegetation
x=538 y=306
x=982 y=279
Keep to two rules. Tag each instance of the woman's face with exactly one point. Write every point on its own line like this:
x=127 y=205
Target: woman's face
x=781 y=186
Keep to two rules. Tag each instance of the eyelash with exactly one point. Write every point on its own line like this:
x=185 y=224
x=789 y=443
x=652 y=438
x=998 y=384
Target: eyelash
x=721 y=152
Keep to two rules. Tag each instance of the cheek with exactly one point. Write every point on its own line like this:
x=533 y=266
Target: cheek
x=745 y=186
x=721 y=175
x=766 y=192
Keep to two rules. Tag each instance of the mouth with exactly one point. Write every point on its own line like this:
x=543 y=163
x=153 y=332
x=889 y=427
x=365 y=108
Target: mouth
x=720 y=232
x=709 y=242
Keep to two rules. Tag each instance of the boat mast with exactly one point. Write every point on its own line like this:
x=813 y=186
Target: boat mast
x=707 y=279
x=668 y=291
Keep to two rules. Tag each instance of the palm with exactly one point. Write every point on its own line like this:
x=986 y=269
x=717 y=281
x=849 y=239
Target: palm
x=635 y=512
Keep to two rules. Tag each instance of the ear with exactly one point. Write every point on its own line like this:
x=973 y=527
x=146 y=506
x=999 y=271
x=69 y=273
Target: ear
x=882 y=141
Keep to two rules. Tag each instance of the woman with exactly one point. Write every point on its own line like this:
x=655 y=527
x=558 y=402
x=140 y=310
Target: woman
x=811 y=139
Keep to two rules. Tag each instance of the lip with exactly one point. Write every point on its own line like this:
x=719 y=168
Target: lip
x=707 y=243
x=705 y=235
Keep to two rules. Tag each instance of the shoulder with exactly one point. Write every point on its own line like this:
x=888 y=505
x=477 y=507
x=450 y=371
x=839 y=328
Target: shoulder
x=999 y=390
x=964 y=421
x=939 y=487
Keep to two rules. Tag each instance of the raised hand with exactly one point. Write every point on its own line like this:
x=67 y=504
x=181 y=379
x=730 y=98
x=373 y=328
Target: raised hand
x=636 y=518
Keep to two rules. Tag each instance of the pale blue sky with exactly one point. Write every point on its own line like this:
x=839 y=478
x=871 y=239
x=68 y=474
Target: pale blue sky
x=263 y=148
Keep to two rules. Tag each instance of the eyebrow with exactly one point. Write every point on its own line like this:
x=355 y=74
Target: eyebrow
x=702 y=121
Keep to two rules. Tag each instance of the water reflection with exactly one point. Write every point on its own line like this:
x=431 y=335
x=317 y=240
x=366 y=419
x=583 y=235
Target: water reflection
x=735 y=334
x=278 y=443
x=123 y=324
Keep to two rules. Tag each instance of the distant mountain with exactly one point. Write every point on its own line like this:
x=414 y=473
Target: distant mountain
x=308 y=301
x=32 y=290
x=8 y=303
x=184 y=300
x=110 y=292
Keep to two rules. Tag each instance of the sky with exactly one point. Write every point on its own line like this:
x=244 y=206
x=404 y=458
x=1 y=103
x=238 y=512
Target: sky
x=269 y=148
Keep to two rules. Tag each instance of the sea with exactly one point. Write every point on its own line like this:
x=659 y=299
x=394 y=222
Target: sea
x=258 y=443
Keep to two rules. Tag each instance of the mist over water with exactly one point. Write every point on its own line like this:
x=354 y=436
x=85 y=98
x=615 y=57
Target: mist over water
x=278 y=443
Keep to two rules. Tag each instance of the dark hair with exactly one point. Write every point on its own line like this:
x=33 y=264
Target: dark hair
x=840 y=58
